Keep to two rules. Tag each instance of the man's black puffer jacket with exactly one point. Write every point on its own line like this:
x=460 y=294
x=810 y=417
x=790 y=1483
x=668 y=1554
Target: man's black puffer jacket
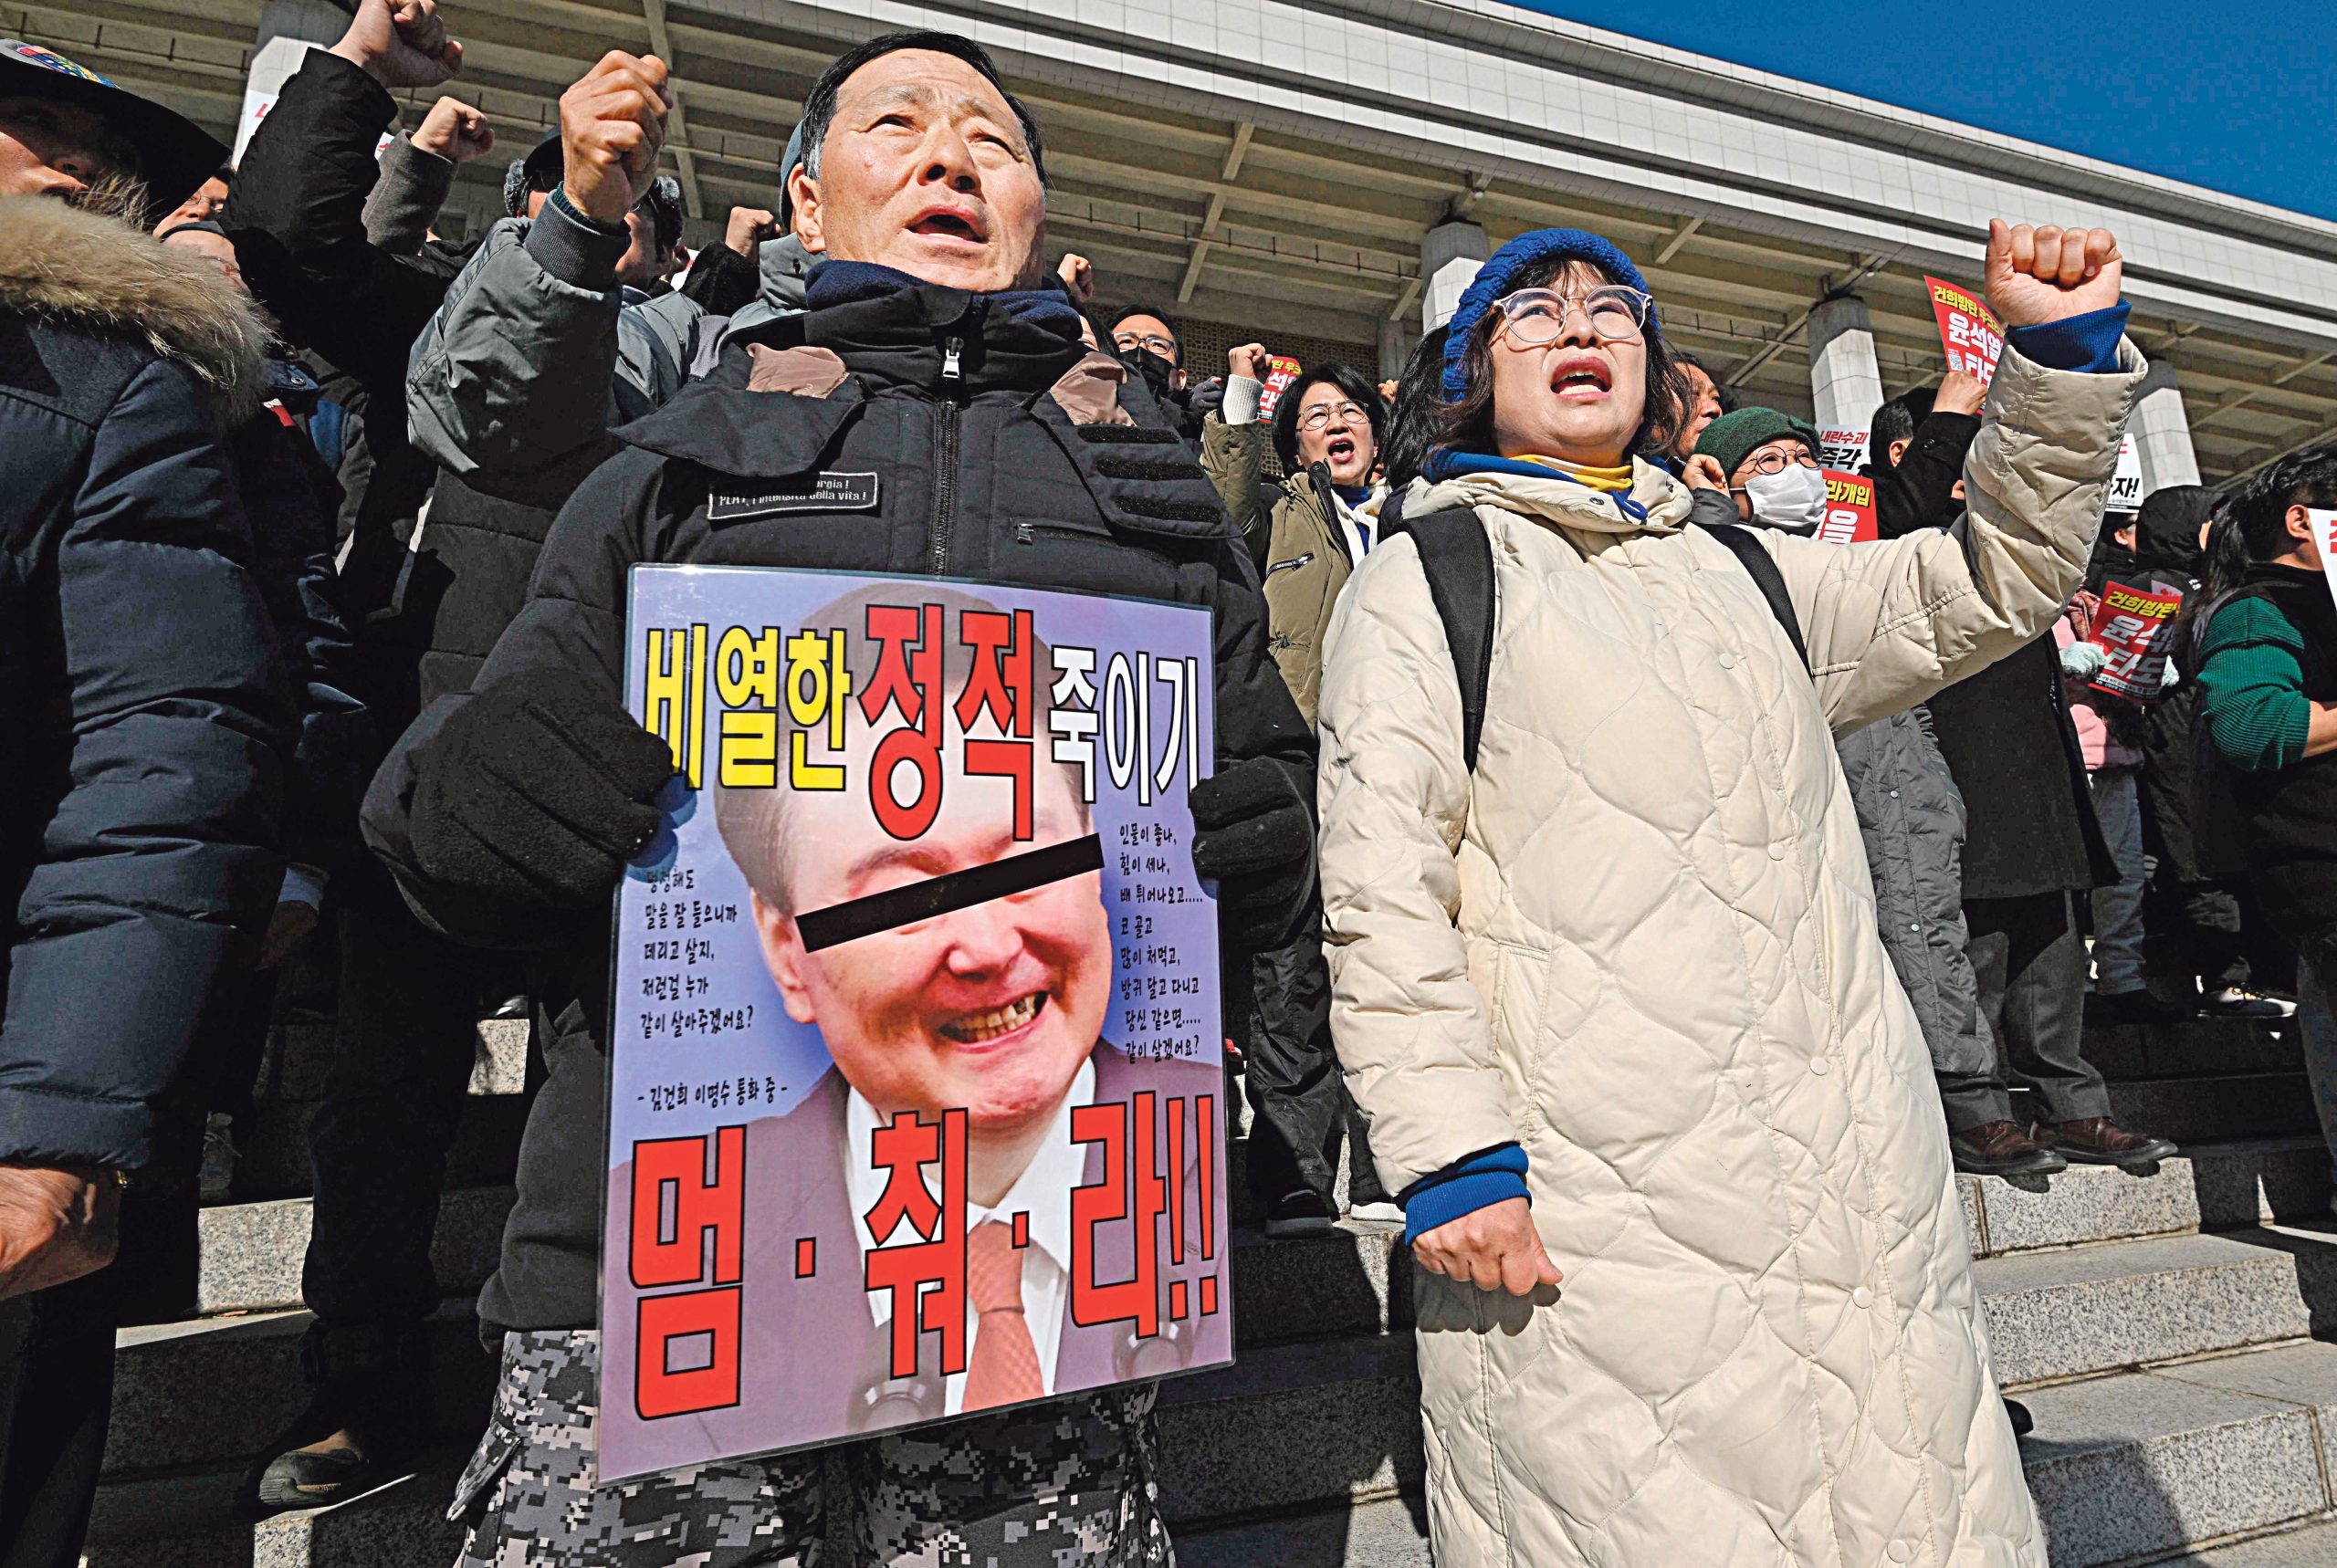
x=1003 y=452
x=141 y=701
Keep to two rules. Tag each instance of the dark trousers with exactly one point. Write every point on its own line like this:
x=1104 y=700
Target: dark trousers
x=1299 y=1106
x=56 y=1396
x=2191 y=931
x=393 y=1095
x=2028 y=958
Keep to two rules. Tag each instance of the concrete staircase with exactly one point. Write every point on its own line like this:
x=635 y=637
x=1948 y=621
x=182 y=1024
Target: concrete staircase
x=2159 y=1327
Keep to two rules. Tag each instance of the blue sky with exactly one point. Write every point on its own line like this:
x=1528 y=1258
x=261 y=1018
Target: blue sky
x=2235 y=95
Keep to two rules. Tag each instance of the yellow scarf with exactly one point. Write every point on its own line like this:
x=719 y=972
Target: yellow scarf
x=1617 y=480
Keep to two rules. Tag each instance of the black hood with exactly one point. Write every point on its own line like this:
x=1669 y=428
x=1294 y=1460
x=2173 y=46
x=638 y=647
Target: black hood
x=2166 y=532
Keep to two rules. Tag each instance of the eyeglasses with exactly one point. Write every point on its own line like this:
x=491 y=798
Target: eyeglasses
x=1317 y=418
x=1536 y=316
x=1775 y=461
x=1130 y=343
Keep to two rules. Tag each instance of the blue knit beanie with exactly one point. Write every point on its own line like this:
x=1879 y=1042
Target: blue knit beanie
x=1492 y=281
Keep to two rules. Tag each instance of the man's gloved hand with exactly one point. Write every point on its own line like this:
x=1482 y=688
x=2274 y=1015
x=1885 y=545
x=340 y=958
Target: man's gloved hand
x=538 y=791
x=2084 y=661
x=1254 y=837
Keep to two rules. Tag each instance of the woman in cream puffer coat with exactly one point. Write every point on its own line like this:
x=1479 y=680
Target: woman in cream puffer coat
x=1628 y=971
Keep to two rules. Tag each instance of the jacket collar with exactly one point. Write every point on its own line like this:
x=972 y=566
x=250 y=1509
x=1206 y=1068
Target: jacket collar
x=889 y=332
x=76 y=269
x=1660 y=501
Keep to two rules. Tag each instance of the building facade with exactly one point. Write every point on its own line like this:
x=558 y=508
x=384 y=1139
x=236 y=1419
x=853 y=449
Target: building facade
x=1331 y=173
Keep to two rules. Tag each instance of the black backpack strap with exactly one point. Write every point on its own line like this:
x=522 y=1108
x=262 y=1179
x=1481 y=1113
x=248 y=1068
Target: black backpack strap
x=1459 y=560
x=1762 y=568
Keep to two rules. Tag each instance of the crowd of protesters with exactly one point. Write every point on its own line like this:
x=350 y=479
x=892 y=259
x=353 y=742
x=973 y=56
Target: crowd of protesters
x=1640 y=808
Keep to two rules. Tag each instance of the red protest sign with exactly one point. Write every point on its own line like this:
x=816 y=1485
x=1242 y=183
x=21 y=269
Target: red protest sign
x=2127 y=626
x=1850 y=509
x=1279 y=373
x=1968 y=329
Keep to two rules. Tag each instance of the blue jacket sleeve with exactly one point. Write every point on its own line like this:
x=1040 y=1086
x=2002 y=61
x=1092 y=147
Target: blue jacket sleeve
x=158 y=861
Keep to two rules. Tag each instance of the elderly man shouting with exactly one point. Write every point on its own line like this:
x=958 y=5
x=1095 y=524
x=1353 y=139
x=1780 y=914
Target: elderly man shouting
x=932 y=411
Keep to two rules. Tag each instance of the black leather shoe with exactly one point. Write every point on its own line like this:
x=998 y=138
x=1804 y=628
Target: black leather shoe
x=361 y=1426
x=2099 y=1141
x=2001 y=1149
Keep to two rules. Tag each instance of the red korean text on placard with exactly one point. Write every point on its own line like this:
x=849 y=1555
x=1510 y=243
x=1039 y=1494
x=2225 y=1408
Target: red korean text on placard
x=1968 y=330
x=1133 y=1191
x=925 y=1275
x=907 y=680
x=687 y=1228
x=1850 y=509
x=1000 y=685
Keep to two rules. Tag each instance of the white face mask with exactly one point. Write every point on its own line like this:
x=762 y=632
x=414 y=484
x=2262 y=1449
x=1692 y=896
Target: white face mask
x=1794 y=500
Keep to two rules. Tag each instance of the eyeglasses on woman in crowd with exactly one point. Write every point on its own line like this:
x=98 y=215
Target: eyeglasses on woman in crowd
x=1537 y=316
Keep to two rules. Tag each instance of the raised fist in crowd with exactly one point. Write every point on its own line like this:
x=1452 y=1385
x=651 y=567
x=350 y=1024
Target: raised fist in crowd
x=401 y=44
x=1248 y=360
x=612 y=125
x=2038 y=274
x=749 y=227
x=1078 y=274
x=454 y=131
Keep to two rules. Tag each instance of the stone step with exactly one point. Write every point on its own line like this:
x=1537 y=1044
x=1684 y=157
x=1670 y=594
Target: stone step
x=252 y=1252
x=212 y=1392
x=300 y=1053
x=1310 y=1454
x=2193 y=1048
x=183 y=1522
x=2210 y=1186
x=2127 y=1469
x=2137 y=1467
x=2086 y=1309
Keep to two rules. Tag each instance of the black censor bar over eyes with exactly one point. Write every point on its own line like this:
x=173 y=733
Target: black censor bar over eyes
x=850 y=921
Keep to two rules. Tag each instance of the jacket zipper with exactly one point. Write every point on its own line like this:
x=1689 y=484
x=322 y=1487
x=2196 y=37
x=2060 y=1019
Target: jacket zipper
x=1296 y=560
x=945 y=488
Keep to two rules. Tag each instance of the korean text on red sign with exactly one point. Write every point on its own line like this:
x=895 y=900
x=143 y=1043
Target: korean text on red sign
x=1850 y=509
x=916 y=1088
x=1968 y=329
x=2131 y=626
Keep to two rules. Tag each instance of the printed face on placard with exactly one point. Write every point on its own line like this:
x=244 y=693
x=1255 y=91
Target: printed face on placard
x=991 y=1008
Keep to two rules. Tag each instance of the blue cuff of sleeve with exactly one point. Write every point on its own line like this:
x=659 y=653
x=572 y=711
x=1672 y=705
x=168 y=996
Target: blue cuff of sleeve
x=573 y=248
x=2087 y=342
x=1463 y=1187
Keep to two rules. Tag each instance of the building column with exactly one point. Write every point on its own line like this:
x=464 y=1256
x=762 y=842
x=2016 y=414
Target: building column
x=1845 y=381
x=1396 y=343
x=2162 y=431
x=289 y=29
x=1450 y=256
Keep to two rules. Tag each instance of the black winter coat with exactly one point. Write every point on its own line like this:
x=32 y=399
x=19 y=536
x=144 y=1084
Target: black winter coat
x=140 y=689
x=1001 y=452
x=296 y=214
x=2006 y=732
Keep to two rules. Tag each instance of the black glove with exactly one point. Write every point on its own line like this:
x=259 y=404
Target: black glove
x=1254 y=837
x=537 y=792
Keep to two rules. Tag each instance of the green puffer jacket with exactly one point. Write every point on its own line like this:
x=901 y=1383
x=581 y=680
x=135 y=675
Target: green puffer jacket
x=1291 y=528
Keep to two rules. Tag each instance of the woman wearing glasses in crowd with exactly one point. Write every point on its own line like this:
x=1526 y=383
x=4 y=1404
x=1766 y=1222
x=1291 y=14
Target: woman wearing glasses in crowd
x=1310 y=527
x=1695 y=1287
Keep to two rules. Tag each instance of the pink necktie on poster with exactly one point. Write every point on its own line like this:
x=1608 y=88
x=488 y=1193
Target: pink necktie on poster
x=1005 y=1369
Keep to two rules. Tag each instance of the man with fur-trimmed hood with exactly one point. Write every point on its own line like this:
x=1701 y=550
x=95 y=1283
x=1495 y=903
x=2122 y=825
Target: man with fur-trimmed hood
x=145 y=718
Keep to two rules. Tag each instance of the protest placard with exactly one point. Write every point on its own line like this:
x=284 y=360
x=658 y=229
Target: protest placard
x=2130 y=625
x=2324 y=534
x=916 y=1101
x=1845 y=450
x=1279 y=373
x=1850 y=508
x=2126 y=484
x=1968 y=329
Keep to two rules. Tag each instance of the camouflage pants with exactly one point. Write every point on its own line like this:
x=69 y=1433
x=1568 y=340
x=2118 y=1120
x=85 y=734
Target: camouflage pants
x=1064 y=1485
